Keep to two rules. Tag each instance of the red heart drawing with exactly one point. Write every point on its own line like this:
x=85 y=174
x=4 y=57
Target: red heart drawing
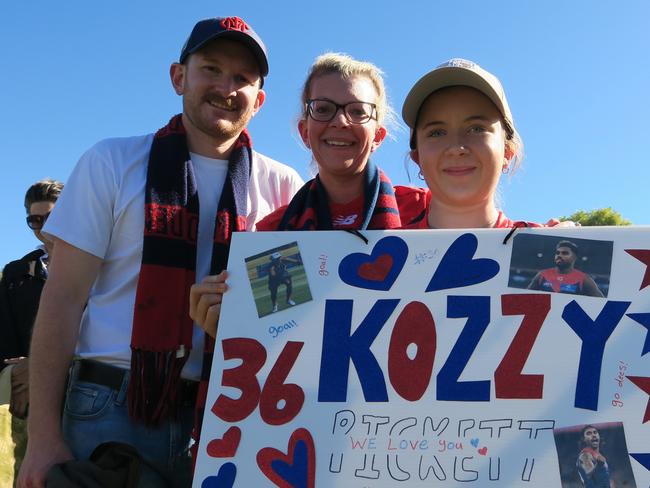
x=297 y=468
x=482 y=451
x=377 y=270
x=225 y=447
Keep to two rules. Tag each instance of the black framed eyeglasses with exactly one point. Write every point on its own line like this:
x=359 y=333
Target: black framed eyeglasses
x=355 y=112
x=35 y=222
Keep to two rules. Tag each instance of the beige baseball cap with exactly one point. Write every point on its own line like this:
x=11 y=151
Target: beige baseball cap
x=455 y=72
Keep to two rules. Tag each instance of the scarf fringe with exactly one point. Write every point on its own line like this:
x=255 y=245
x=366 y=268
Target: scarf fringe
x=154 y=393
x=161 y=322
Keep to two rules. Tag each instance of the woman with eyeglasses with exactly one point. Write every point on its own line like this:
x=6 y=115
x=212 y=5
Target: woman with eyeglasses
x=344 y=109
x=20 y=292
x=344 y=112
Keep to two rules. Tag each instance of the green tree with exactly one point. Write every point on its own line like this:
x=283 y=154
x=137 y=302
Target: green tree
x=599 y=216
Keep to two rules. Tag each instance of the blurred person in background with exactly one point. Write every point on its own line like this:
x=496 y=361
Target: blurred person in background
x=20 y=292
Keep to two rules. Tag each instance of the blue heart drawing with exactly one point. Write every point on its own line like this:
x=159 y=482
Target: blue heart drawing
x=295 y=474
x=224 y=479
x=474 y=442
x=380 y=269
x=458 y=267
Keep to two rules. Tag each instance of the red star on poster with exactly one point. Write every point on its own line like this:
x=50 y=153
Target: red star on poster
x=642 y=255
x=642 y=382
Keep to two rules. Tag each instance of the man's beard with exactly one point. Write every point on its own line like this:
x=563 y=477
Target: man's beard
x=228 y=129
x=225 y=129
x=562 y=264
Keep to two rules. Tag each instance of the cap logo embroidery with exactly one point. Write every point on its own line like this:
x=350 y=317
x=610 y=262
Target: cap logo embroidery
x=458 y=63
x=234 y=23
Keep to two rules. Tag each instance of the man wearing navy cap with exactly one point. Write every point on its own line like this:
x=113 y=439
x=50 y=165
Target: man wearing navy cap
x=142 y=219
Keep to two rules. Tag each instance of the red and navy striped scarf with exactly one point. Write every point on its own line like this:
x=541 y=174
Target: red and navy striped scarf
x=309 y=208
x=161 y=338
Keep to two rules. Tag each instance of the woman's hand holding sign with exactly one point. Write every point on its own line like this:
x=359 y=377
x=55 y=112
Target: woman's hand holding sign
x=205 y=301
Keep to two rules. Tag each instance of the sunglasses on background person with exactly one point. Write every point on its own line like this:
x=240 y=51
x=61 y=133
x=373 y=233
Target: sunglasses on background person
x=35 y=222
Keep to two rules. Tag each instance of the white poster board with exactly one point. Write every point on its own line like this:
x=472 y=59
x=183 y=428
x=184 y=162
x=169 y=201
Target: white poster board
x=421 y=358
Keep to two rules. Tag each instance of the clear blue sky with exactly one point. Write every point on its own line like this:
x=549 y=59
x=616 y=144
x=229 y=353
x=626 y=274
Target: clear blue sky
x=576 y=73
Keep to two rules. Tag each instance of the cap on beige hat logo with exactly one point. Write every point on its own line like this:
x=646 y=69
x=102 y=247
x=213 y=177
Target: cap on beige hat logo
x=455 y=72
x=459 y=63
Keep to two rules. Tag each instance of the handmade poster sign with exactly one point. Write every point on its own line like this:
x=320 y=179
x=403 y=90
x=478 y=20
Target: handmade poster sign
x=432 y=358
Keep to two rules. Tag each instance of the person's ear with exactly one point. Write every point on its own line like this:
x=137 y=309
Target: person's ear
x=304 y=132
x=259 y=100
x=177 y=76
x=380 y=135
x=508 y=154
x=415 y=156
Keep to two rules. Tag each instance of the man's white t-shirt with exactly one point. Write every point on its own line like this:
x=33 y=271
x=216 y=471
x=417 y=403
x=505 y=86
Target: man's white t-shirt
x=101 y=211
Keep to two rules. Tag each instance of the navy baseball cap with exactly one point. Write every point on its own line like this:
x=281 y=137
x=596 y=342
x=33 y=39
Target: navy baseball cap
x=226 y=28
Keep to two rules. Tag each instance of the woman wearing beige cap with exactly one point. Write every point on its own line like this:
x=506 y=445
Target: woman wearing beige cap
x=462 y=138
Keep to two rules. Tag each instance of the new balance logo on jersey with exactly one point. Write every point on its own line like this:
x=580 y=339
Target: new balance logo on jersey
x=341 y=220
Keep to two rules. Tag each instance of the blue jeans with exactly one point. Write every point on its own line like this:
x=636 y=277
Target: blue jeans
x=94 y=414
